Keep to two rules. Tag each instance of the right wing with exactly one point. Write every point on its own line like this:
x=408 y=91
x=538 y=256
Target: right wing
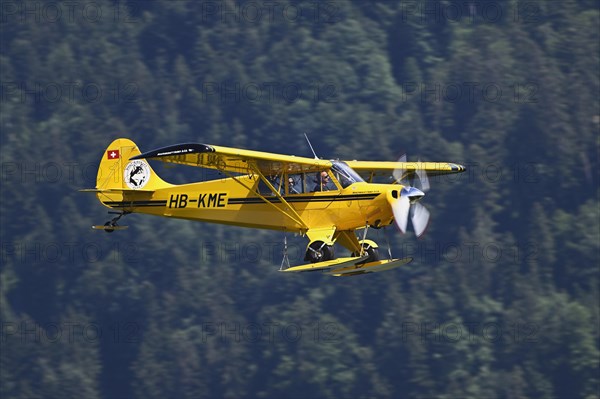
x=378 y=168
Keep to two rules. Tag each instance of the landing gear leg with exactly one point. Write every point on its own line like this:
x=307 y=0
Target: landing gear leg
x=285 y=262
x=387 y=242
x=367 y=248
x=362 y=247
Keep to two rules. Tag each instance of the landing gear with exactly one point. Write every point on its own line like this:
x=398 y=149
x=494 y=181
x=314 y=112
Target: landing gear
x=112 y=225
x=368 y=250
x=368 y=247
x=318 y=251
x=109 y=226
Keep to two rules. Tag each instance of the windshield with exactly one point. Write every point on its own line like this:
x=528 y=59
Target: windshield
x=345 y=174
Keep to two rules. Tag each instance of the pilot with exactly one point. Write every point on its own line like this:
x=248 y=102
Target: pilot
x=291 y=184
x=321 y=182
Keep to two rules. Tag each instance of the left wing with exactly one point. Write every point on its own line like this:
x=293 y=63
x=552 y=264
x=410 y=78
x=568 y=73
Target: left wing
x=234 y=159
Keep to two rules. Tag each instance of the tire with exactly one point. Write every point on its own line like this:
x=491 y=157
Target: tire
x=321 y=253
x=371 y=252
x=109 y=230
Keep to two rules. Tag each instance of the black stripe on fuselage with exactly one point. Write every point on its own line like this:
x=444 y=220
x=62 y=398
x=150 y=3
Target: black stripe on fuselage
x=135 y=204
x=304 y=198
x=252 y=200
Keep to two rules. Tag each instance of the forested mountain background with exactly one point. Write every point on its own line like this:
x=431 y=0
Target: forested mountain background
x=502 y=298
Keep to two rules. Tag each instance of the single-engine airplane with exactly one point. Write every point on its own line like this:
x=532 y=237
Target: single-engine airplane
x=325 y=200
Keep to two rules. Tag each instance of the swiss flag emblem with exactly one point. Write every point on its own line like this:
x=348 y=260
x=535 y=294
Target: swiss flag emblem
x=112 y=154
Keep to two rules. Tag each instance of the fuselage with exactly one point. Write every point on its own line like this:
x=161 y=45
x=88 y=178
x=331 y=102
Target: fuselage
x=240 y=201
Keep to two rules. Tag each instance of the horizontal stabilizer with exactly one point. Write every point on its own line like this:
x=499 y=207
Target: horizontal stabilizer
x=110 y=228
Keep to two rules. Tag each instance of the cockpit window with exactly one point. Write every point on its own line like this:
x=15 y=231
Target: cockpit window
x=345 y=174
x=275 y=181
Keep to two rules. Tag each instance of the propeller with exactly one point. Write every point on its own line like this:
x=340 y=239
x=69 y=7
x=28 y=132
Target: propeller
x=398 y=173
x=407 y=202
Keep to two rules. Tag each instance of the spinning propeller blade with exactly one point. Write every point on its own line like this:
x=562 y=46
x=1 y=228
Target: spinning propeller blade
x=408 y=201
x=423 y=179
x=400 y=208
x=399 y=172
x=419 y=218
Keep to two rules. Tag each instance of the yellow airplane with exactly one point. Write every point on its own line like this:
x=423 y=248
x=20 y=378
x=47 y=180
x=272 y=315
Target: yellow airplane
x=325 y=200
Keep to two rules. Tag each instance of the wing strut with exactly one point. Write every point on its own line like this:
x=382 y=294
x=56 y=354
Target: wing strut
x=296 y=219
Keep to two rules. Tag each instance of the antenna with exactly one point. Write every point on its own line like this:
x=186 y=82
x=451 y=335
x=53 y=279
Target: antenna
x=311 y=147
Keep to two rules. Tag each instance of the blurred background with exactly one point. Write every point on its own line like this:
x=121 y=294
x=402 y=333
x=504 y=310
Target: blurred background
x=501 y=300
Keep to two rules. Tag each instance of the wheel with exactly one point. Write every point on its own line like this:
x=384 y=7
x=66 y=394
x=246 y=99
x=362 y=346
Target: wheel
x=109 y=230
x=371 y=252
x=318 y=251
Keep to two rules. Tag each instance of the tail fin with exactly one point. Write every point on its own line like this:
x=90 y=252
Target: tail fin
x=117 y=172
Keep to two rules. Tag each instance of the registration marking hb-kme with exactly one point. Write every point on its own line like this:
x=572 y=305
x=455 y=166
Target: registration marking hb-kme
x=205 y=200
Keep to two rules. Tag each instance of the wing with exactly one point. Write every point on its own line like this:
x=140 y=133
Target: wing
x=234 y=159
x=377 y=168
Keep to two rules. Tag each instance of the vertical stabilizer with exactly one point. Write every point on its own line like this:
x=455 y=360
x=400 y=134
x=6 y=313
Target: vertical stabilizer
x=117 y=171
